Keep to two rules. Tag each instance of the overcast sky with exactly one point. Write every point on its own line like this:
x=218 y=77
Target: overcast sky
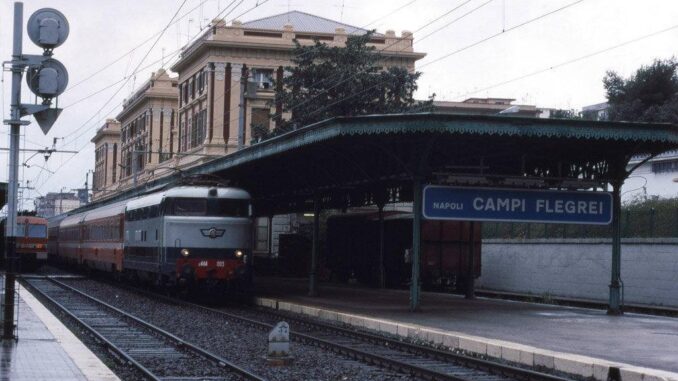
x=104 y=31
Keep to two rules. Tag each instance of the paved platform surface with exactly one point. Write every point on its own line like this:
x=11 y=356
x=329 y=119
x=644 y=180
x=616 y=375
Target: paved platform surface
x=638 y=340
x=47 y=350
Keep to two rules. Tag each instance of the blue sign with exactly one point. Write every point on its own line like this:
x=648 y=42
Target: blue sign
x=516 y=205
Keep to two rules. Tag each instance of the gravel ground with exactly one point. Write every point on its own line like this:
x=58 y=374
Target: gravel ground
x=235 y=341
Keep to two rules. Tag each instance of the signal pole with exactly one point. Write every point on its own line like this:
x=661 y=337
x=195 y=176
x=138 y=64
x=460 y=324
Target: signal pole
x=47 y=78
x=15 y=129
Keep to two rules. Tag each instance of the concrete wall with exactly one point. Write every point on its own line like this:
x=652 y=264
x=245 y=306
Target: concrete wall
x=581 y=268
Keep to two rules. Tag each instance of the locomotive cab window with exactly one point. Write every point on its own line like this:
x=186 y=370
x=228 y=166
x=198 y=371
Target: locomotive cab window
x=206 y=207
x=37 y=231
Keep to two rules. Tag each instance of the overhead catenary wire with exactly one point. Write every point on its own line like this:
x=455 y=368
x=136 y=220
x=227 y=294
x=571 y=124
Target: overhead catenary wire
x=131 y=51
x=125 y=78
x=138 y=65
x=424 y=25
x=200 y=33
x=174 y=55
x=571 y=61
x=457 y=51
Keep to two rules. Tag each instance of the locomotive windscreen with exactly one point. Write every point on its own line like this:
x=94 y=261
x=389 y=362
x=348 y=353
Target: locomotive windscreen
x=37 y=231
x=206 y=207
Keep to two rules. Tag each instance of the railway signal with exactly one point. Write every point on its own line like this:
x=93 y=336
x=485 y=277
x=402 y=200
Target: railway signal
x=47 y=78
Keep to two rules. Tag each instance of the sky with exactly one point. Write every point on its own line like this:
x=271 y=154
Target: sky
x=484 y=48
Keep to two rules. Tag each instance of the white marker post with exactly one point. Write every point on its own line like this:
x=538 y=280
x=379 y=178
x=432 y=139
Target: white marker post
x=279 y=345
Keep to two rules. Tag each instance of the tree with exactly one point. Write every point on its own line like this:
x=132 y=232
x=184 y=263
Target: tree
x=650 y=95
x=564 y=114
x=325 y=82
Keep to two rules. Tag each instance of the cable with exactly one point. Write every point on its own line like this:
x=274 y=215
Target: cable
x=138 y=65
x=425 y=25
x=502 y=32
x=108 y=65
x=175 y=53
x=580 y=58
x=454 y=52
x=258 y=4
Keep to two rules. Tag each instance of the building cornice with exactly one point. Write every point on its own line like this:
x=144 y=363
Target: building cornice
x=188 y=57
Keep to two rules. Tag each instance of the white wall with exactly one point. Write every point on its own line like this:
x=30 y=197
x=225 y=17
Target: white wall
x=645 y=183
x=581 y=268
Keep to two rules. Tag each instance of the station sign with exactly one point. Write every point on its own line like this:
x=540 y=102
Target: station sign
x=516 y=205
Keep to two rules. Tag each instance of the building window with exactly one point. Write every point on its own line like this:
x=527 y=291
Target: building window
x=260 y=123
x=263 y=78
x=198 y=128
x=201 y=81
x=115 y=161
x=665 y=166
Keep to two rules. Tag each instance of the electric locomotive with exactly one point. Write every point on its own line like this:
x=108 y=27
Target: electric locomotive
x=187 y=237
x=31 y=241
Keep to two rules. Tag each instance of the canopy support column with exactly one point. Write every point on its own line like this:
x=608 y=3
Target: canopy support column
x=415 y=289
x=270 y=235
x=614 y=307
x=470 y=265
x=382 y=270
x=312 y=281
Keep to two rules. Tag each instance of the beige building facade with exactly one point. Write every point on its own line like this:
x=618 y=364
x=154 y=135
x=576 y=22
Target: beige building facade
x=226 y=77
x=106 y=156
x=140 y=141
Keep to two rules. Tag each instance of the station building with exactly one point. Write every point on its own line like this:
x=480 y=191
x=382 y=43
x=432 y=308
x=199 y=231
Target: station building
x=223 y=95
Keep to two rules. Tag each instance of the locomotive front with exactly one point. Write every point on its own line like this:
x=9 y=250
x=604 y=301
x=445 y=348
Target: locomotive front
x=207 y=237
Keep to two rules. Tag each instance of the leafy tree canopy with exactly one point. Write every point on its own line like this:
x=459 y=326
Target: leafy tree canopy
x=650 y=95
x=564 y=114
x=325 y=82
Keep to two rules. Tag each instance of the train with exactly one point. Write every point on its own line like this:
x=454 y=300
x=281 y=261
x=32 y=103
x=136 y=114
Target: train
x=183 y=237
x=31 y=242
x=352 y=251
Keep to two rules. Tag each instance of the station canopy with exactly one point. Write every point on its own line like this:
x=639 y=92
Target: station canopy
x=364 y=160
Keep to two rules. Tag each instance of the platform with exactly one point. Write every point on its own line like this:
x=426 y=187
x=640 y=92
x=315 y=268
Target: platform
x=46 y=349
x=579 y=341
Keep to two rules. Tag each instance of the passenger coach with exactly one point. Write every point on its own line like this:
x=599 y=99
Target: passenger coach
x=187 y=236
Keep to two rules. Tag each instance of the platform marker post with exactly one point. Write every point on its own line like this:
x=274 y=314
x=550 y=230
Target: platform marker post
x=416 y=245
x=614 y=307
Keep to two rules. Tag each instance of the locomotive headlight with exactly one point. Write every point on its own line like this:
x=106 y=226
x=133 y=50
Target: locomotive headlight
x=185 y=252
x=238 y=253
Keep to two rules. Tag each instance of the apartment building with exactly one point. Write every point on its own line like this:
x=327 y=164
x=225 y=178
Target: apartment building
x=141 y=139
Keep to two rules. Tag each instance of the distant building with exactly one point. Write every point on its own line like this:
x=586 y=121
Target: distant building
x=53 y=204
x=654 y=178
x=106 y=158
x=595 y=112
x=486 y=106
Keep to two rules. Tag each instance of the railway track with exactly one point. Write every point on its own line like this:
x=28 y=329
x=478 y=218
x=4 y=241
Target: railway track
x=412 y=358
x=156 y=353
x=416 y=360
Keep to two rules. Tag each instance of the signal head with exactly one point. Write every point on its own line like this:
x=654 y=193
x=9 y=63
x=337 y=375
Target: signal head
x=48 y=28
x=47 y=80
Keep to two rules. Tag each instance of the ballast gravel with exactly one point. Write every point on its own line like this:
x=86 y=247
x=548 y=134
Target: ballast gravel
x=235 y=341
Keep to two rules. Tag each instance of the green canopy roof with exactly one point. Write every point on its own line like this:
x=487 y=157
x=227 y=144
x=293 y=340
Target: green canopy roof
x=352 y=161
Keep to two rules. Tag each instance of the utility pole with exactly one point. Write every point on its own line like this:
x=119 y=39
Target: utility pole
x=47 y=78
